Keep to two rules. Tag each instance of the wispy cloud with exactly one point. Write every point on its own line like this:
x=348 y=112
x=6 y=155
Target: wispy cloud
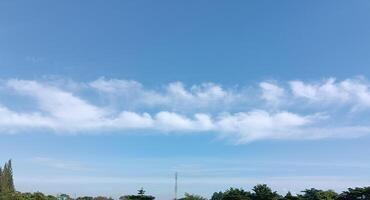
x=352 y=92
x=271 y=92
x=35 y=59
x=59 y=164
x=302 y=110
x=171 y=96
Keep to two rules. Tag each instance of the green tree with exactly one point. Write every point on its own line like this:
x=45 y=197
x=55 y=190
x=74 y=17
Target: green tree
x=311 y=194
x=1 y=180
x=217 y=196
x=102 y=198
x=85 y=198
x=236 y=194
x=39 y=196
x=263 y=192
x=314 y=194
x=6 y=178
x=192 y=197
x=140 y=196
x=356 y=193
x=141 y=191
x=328 y=195
x=64 y=197
x=289 y=196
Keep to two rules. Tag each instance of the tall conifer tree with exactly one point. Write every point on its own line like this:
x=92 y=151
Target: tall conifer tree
x=10 y=177
x=1 y=178
x=6 y=178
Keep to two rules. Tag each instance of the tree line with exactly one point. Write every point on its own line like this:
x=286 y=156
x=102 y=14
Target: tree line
x=258 y=192
x=263 y=192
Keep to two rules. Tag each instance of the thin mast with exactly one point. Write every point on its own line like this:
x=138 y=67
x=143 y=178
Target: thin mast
x=175 y=185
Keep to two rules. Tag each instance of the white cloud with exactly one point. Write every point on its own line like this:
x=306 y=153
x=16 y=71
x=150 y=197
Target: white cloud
x=175 y=122
x=172 y=96
x=59 y=164
x=10 y=120
x=271 y=92
x=207 y=107
x=354 y=92
x=260 y=124
x=130 y=120
x=115 y=85
x=57 y=103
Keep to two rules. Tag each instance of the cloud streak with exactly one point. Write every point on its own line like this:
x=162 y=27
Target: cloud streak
x=175 y=95
x=301 y=110
x=59 y=164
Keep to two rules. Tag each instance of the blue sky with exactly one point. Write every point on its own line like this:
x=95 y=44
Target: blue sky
x=102 y=98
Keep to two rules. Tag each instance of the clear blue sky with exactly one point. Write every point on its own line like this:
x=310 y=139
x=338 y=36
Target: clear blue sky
x=104 y=97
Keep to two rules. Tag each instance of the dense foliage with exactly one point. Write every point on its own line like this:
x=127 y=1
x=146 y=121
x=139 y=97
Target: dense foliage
x=140 y=196
x=192 y=197
x=259 y=192
x=6 y=178
x=263 y=192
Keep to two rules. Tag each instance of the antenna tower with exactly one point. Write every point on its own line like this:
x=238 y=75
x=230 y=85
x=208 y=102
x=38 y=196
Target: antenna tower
x=175 y=185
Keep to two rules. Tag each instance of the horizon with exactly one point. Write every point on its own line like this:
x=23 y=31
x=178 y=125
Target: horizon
x=103 y=98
